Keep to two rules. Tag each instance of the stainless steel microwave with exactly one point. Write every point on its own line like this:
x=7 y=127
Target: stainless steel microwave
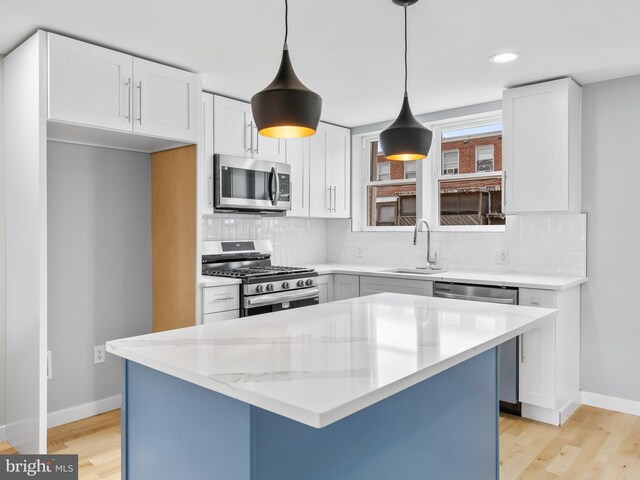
x=248 y=185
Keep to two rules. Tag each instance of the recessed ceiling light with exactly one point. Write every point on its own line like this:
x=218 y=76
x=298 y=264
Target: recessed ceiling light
x=504 y=57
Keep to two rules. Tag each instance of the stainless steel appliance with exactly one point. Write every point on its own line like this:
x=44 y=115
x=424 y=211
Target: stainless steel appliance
x=265 y=287
x=508 y=351
x=244 y=184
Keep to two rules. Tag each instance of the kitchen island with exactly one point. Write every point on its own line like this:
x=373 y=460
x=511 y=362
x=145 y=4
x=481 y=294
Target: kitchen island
x=378 y=387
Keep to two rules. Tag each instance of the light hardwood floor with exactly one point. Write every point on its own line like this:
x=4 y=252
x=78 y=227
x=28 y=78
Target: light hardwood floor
x=593 y=444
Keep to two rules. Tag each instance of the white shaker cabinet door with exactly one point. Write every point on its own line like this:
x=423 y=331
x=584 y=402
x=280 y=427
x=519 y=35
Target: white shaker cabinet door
x=267 y=148
x=540 y=155
x=232 y=127
x=319 y=188
x=325 y=285
x=298 y=159
x=346 y=286
x=166 y=101
x=89 y=85
x=537 y=366
x=339 y=170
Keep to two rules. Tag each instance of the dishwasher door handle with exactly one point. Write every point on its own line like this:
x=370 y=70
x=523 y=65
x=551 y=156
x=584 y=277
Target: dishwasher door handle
x=503 y=301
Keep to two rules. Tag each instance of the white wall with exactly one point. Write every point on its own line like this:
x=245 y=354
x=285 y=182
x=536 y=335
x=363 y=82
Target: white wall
x=2 y=259
x=611 y=171
x=537 y=244
x=99 y=278
x=296 y=241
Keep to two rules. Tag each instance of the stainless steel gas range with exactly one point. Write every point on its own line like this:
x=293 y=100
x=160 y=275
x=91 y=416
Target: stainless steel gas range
x=264 y=287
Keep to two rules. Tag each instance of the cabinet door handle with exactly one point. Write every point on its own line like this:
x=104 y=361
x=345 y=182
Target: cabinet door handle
x=129 y=102
x=329 y=199
x=250 y=127
x=210 y=191
x=257 y=141
x=335 y=198
x=140 y=102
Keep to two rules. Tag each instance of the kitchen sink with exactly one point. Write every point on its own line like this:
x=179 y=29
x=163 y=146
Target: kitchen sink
x=416 y=271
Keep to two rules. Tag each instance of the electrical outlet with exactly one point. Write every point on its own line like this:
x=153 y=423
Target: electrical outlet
x=360 y=252
x=49 y=365
x=501 y=256
x=99 y=354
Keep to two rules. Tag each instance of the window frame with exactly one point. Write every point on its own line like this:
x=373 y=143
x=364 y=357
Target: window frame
x=414 y=162
x=493 y=157
x=428 y=173
x=380 y=164
x=457 y=151
x=437 y=176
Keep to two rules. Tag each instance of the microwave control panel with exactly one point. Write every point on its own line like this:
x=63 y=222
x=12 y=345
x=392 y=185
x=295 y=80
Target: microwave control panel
x=285 y=191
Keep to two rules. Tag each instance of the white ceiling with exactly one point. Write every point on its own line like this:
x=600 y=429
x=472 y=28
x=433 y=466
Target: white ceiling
x=350 y=51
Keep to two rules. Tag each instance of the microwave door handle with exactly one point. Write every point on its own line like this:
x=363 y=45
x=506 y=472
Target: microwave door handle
x=274 y=190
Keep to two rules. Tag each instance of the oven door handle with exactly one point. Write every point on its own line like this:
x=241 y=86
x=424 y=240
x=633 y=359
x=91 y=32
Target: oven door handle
x=274 y=298
x=504 y=301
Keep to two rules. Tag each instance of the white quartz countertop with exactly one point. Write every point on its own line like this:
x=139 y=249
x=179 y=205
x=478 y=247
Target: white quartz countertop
x=543 y=282
x=319 y=364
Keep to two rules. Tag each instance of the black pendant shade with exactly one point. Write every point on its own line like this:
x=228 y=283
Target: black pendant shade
x=286 y=108
x=406 y=139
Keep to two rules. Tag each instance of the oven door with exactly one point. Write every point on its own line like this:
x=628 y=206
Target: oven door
x=247 y=184
x=274 y=302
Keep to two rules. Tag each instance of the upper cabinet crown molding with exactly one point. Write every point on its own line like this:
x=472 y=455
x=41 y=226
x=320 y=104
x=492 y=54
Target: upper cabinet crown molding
x=101 y=88
x=541 y=147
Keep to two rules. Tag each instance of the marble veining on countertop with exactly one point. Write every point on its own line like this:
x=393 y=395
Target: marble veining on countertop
x=544 y=282
x=322 y=363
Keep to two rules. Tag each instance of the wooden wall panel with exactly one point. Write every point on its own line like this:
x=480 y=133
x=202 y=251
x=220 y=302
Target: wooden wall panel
x=173 y=186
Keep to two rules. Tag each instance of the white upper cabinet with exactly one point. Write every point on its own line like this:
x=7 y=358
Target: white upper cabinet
x=298 y=159
x=235 y=133
x=330 y=172
x=166 y=101
x=101 y=88
x=89 y=85
x=541 y=147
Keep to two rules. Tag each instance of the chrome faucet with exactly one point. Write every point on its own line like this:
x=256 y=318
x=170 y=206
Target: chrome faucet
x=431 y=262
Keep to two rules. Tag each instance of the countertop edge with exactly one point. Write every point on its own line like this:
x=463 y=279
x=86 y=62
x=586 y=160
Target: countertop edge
x=324 y=419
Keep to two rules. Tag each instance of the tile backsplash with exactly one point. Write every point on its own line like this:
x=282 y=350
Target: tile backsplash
x=553 y=244
x=296 y=241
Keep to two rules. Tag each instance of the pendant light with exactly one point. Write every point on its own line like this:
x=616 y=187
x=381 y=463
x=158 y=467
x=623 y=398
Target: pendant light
x=286 y=108
x=405 y=139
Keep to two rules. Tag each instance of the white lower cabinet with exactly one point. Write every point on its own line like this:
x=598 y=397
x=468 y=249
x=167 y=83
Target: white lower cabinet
x=220 y=316
x=325 y=285
x=373 y=285
x=220 y=303
x=549 y=363
x=346 y=286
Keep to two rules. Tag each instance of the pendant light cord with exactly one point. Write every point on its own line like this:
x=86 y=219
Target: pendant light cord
x=286 y=21
x=405 y=49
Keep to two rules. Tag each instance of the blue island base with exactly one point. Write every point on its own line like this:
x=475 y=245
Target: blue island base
x=444 y=428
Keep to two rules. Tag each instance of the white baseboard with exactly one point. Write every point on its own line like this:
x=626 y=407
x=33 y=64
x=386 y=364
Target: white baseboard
x=3 y=433
x=611 y=403
x=79 y=412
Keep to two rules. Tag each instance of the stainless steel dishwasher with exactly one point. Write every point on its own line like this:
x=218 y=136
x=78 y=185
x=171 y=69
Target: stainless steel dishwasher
x=508 y=351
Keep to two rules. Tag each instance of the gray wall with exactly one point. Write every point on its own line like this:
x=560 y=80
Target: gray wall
x=611 y=171
x=2 y=259
x=99 y=248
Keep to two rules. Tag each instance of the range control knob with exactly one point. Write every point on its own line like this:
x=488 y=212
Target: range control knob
x=300 y=283
x=259 y=288
x=285 y=285
x=270 y=286
x=309 y=282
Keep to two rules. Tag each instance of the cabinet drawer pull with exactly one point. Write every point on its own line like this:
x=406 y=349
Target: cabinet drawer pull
x=223 y=299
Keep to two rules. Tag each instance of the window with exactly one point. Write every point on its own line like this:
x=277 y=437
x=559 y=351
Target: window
x=469 y=187
x=410 y=169
x=450 y=162
x=457 y=188
x=390 y=191
x=384 y=171
x=484 y=158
